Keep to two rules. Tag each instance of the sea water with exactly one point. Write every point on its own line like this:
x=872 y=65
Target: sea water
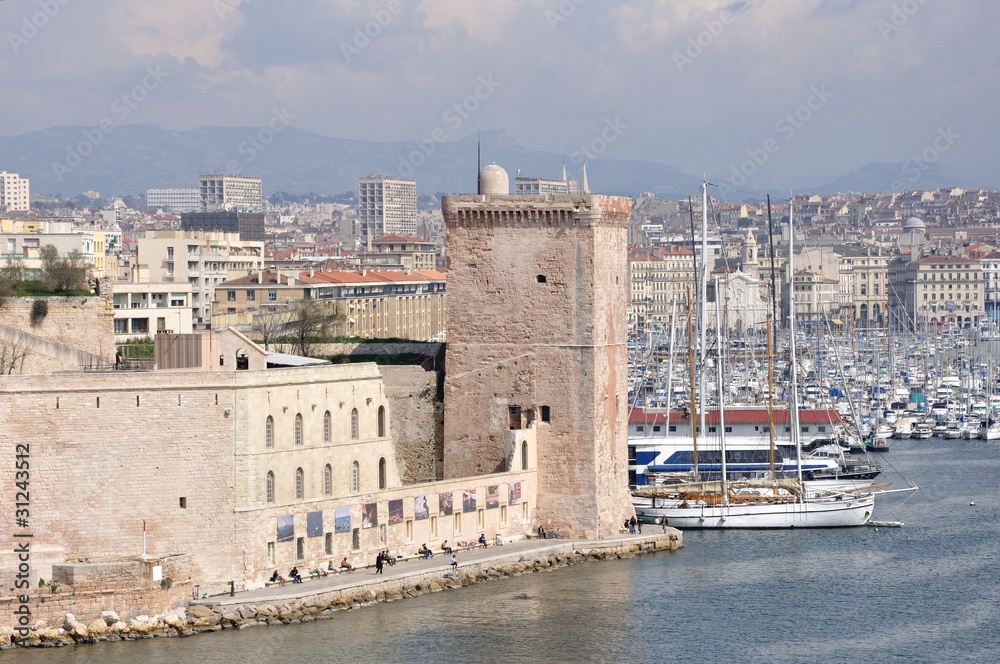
x=926 y=592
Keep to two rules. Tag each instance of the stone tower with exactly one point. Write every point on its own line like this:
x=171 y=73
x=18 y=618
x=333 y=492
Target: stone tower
x=536 y=355
x=750 y=261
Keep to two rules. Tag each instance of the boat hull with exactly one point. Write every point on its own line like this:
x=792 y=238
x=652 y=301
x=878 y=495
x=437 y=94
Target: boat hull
x=848 y=511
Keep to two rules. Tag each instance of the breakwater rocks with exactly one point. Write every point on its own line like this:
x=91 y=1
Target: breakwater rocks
x=213 y=615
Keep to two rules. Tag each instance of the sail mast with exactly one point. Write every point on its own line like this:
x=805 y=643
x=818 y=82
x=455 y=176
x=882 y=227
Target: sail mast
x=704 y=300
x=722 y=409
x=793 y=402
x=670 y=368
x=694 y=403
x=770 y=398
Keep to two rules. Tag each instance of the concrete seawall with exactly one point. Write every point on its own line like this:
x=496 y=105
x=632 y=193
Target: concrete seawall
x=323 y=597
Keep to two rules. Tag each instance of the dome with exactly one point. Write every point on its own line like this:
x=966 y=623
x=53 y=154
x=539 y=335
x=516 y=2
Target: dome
x=493 y=180
x=913 y=223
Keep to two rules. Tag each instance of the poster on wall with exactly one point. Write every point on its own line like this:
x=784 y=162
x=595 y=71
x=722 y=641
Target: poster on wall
x=421 y=509
x=286 y=528
x=468 y=500
x=395 y=512
x=369 y=515
x=445 y=504
x=314 y=524
x=342 y=520
x=514 y=494
x=493 y=497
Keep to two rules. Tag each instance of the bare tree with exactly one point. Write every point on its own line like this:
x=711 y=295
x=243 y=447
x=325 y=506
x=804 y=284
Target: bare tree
x=270 y=323
x=14 y=350
x=62 y=275
x=311 y=322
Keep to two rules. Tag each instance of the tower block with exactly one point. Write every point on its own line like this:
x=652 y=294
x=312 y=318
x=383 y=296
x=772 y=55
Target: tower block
x=536 y=353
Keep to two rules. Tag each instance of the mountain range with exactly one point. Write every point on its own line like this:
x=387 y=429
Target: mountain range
x=129 y=159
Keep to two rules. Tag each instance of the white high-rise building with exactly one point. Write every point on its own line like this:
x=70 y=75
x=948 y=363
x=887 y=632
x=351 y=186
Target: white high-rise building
x=174 y=200
x=387 y=206
x=14 y=193
x=234 y=193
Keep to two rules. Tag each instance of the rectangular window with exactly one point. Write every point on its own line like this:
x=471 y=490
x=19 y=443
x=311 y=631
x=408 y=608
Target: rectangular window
x=231 y=295
x=272 y=295
x=270 y=553
x=546 y=413
x=639 y=428
x=458 y=523
x=656 y=428
x=434 y=526
x=409 y=530
x=729 y=429
x=711 y=429
x=356 y=539
x=672 y=428
x=805 y=429
x=328 y=544
x=481 y=519
x=300 y=548
x=503 y=515
x=121 y=326
x=251 y=296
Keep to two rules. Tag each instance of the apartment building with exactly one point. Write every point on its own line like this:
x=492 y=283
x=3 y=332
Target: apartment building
x=386 y=206
x=174 y=200
x=658 y=276
x=936 y=290
x=235 y=193
x=15 y=195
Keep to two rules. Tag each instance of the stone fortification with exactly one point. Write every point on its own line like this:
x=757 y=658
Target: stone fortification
x=417 y=421
x=538 y=341
x=79 y=331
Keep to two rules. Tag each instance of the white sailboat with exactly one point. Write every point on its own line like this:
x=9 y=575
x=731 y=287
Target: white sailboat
x=748 y=504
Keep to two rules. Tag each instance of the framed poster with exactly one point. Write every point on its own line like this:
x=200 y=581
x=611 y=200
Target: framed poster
x=369 y=515
x=514 y=494
x=395 y=512
x=286 y=528
x=314 y=524
x=445 y=505
x=468 y=500
x=421 y=509
x=342 y=520
x=493 y=497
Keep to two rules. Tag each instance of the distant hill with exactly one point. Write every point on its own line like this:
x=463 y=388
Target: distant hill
x=133 y=158
x=887 y=177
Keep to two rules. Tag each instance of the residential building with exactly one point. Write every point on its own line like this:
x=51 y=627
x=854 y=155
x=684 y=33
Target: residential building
x=869 y=296
x=236 y=193
x=201 y=259
x=386 y=206
x=249 y=225
x=398 y=252
x=15 y=195
x=658 y=277
x=174 y=200
x=936 y=290
x=144 y=309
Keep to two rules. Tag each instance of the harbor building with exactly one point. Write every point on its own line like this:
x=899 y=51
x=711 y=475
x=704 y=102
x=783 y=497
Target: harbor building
x=936 y=290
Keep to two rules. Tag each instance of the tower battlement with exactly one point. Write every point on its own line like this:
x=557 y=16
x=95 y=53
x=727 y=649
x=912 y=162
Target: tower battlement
x=551 y=210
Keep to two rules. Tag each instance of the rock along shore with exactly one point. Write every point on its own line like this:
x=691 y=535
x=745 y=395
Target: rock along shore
x=310 y=602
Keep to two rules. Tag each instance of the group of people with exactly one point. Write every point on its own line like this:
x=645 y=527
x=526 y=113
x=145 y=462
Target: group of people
x=383 y=558
x=632 y=524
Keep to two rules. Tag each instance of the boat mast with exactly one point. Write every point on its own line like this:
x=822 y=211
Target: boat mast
x=770 y=398
x=670 y=369
x=722 y=409
x=704 y=300
x=793 y=402
x=694 y=403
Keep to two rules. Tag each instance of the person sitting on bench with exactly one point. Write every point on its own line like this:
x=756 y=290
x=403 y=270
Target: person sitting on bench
x=276 y=578
x=425 y=552
x=317 y=572
x=346 y=565
x=482 y=540
x=445 y=547
x=294 y=575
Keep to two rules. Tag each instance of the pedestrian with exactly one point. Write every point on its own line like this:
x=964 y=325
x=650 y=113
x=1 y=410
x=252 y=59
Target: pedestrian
x=454 y=562
x=638 y=525
x=631 y=525
x=378 y=563
x=664 y=522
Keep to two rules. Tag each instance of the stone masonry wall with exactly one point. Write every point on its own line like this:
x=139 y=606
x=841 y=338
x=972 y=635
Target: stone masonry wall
x=83 y=323
x=417 y=422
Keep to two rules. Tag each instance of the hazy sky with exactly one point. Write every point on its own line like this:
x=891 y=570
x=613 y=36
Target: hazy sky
x=810 y=89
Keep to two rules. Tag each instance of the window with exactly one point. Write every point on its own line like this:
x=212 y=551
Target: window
x=300 y=481
x=541 y=279
x=251 y=296
x=269 y=489
x=269 y=432
x=672 y=427
x=729 y=429
x=328 y=480
x=327 y=426
x=355 y=477
x=272 y=295
x=546 y=413
x=356 y=539
x=805 y=429
x=381 y=473
x=231 y=295
x=524 y=455
x=640 y=428
x=183 y=502
x=354 y=424
x=328 y=544
x=300 y=548
x=381 y=422
x=298 y=428
x=656 y=428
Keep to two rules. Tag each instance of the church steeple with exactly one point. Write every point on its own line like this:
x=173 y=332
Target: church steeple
x=584 y=186
x=750 y=263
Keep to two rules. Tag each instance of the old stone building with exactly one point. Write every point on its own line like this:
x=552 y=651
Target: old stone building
x=537 y=348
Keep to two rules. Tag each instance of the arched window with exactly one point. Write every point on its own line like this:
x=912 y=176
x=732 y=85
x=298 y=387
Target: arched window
x=355 y=477
x=354 y=424
x=269 y=432
x=327 y=426
x=381 y=473
x=524 y=455
x=381 y=422
x=298 y=428
x=300 y=481
x=269 y=487
x=328 y=480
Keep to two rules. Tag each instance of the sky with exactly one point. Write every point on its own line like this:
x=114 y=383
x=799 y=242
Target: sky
x=761 y=92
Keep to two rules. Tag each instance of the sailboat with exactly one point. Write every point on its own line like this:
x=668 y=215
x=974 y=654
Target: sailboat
x=754 y=504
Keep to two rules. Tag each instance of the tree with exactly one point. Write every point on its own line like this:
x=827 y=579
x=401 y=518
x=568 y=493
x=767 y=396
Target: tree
x=269 y=324
x=13 y=353
x=62 y=275
x=11 y=274
x=309 y=322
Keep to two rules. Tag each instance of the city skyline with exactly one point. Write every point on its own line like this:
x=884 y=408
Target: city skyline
x=755 y=94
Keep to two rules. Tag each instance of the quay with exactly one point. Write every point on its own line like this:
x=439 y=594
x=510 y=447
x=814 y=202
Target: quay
x=322 y=597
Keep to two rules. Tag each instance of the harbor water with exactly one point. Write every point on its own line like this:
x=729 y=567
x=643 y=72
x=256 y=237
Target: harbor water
x=926 y=592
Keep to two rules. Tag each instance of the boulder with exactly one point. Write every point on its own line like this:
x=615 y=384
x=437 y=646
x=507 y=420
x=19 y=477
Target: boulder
x=109 y=617
x=198 y=612
x=68 y=621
